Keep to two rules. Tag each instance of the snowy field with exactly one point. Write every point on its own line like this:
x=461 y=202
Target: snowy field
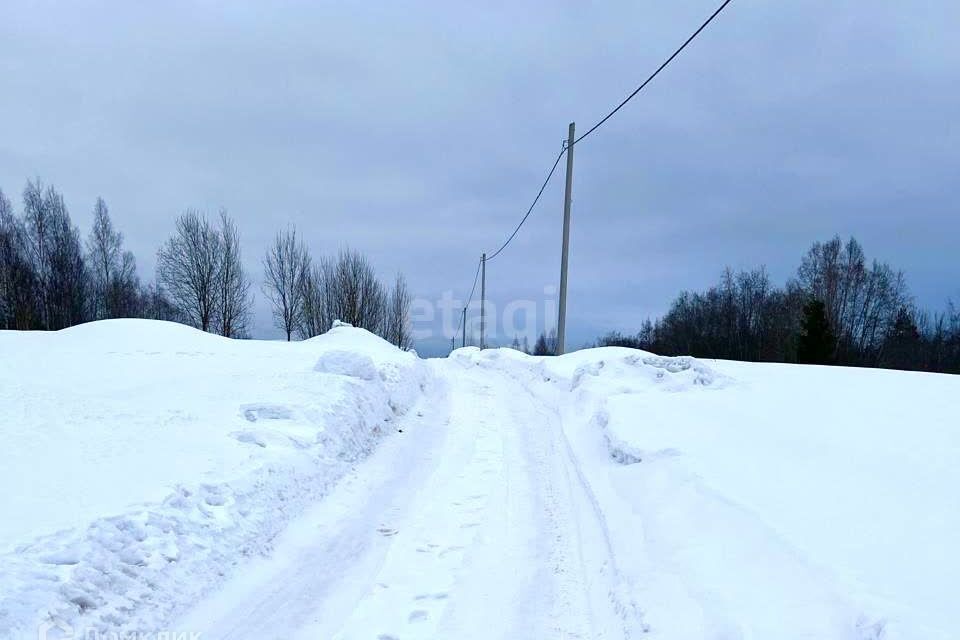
x=142 y=460
x=160 y=479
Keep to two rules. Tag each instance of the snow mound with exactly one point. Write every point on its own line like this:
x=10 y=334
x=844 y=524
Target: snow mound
x=600 y=385
x=347 y=363
x=144 y=461
x=667 y=373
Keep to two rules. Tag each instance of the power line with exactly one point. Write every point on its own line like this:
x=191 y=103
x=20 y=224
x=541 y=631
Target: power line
x=530 y=210
x=470 y=299
x=607 y=117
x=474 y=287
x=487 y=258
x=568 y=148
x=657 y=72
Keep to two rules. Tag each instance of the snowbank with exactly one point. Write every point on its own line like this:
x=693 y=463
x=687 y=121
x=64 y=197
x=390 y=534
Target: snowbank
x=766 y=500
x=141 y=461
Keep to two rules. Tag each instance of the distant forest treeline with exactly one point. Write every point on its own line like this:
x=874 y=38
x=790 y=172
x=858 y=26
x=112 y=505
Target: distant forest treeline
x=838 y=309
x=51 y=278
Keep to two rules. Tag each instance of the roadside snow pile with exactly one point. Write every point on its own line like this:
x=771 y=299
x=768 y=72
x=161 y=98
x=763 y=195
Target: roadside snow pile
x=617 y=390
x=347 y=363
x=142 y=461
x=766 y=500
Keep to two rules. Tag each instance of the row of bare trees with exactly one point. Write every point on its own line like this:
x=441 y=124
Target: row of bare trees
x=868 y=314
x=307 y=296
x=51 y=279
x=200 y=268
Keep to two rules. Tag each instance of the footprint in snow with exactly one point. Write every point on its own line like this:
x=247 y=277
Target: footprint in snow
x=384 y=531
x=417 y=616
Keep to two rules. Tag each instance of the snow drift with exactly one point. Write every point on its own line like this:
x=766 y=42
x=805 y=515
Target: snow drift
x=766 y=500
x=142 y=460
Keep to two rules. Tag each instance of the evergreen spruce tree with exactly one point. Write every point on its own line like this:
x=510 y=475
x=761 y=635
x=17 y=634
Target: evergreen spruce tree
x=816 y=342
x=541 y=348
x=903 y=345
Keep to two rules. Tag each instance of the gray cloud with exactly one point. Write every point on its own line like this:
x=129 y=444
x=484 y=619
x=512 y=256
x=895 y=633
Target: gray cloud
x=419 y=133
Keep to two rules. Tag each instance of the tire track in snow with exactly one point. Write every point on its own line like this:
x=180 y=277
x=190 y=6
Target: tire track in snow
x=470 y=525
x=617 y=587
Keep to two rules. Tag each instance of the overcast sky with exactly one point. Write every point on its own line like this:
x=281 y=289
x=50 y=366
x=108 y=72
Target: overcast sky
x=419 y=133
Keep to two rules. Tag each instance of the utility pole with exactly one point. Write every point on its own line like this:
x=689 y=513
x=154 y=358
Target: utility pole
x=562 y=319
x=463 y=323
x=483 y=299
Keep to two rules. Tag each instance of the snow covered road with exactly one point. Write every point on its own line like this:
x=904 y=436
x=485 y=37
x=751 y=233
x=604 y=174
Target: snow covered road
x=169 y=481
x=469 y=524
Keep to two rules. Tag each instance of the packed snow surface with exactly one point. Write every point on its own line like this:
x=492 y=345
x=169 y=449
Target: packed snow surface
x=158 y=479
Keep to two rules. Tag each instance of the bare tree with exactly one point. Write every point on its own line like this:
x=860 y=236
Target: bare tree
x=397 y=325
x=358 y=297
x=188 y=269
x=115 y=285
x=346 y=288
x=8 y=248
x=155 y=305
x=37 y=224
x=233 y=287
x=286 y=269
x=68 y=287
x=862 y=302
x=315 y=313
x=18 y=304
x=103 y=252
x=123 y=296
x=56 y=257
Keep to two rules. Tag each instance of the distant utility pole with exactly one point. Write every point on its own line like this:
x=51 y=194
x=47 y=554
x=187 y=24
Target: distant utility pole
x=483 y=299
x=463 y=321
x=562 y=319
